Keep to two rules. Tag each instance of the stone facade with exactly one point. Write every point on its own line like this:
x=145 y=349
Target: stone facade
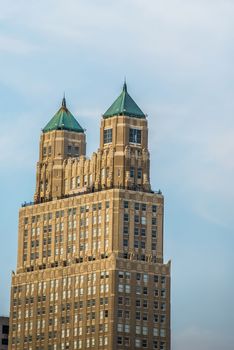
x=90 y=270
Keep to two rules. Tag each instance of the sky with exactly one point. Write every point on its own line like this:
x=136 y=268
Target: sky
x=177 y=57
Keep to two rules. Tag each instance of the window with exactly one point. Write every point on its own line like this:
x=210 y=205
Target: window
x=125 y=204
x=138 y=315
x=143 y=232
x=135 y=135
x=154 y=221
x=137 y=343
x=137 y=206
x=138 y=302
x=138 y=329
x=136 y=219
x=4 y=341
x=107 y=135
x=132 y=171
x=125 y=230
x=125 y=217
x=120 y=327
x=120 y=340
x=156 y=278
x=143 y=220
x=125 y=242
x=120 y=300
x=127 y=328
x=69 y=149
x=139 y=173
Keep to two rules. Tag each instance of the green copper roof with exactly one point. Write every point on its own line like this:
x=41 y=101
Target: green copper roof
x=124 y=105
x=63 y=120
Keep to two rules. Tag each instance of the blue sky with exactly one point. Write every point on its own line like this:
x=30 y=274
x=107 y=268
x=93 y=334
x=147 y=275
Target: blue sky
x=178 y=58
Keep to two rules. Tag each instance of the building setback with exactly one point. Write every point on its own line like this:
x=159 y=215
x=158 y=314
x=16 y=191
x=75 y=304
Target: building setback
x=90 y=270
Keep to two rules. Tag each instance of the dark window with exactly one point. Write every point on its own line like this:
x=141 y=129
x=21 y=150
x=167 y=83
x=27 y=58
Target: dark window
x=143 y=206
x=120 y=300
x=107 y=135
x=138 y=302
x=125 y=204
x=4 y=341
x=5 y=329
x=125 y=230
x=154 y=208
x=125 y=217
x=135 y=135
x=139 y=173
x=125 y=242
x=136 y=244
x=138 y=276
x=143 y=232
x=77 y=151
x=131 y=172
x=69 y=149
x=137 y=206
x=120 y=340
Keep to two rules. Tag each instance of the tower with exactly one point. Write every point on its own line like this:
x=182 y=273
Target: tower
x=90 y=271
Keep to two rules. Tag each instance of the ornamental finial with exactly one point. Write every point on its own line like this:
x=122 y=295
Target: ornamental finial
x=64 y=101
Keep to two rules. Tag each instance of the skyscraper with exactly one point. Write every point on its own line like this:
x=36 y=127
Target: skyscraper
x=90 y=270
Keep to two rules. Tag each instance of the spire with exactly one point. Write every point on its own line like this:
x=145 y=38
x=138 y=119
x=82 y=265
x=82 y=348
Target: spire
x=125 y=85
x=64 y=101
